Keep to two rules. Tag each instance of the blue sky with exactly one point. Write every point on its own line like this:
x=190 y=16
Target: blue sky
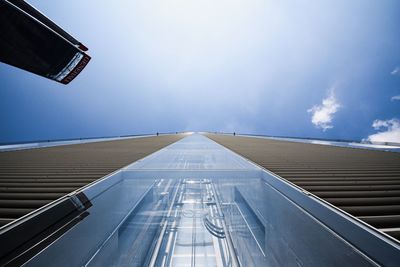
x=250 y=66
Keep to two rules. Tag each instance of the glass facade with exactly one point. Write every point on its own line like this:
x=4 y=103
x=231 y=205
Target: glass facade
x=195 y=203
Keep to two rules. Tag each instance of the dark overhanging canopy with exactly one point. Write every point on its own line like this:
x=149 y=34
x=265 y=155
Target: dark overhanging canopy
x=31 y=41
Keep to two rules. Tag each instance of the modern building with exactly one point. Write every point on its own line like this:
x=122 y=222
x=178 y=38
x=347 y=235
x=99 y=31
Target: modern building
x=199 y=200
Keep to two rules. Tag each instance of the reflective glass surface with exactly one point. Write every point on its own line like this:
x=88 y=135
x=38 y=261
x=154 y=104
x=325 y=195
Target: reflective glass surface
x=196 y=203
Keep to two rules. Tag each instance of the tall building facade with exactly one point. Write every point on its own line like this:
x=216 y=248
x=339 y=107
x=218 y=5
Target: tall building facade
x=199 y=200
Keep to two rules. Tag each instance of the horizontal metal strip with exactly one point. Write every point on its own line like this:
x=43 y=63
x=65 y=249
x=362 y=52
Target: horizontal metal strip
x=41 y=185
x=386 y=221
x=373 y=182
x=13 y=212
x=338 y=172
x=32 y=196
x=60 y=176
x=353 y=161
x=368 y=193
x=10 y=174
x=24 y=204
x=372 y=210
x=394 y=232
x=54 y=168
x=38 y=189
x=4 y=221
x=45 y=180
x=46 y=170
x=24 y=166
x=322 y=175
x=357 y=201
x=347 y=178
x=351 y=187
x=287 y=169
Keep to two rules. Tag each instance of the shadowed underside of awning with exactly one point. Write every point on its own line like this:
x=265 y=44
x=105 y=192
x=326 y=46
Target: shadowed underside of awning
x=31 y=178
x=364 y=183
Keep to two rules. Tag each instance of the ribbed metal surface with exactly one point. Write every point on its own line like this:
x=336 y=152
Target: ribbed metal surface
x=365 y=183
x=32 y=178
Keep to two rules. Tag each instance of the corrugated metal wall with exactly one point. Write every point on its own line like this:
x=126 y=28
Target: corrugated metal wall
x=365 y=183
x=32 y=178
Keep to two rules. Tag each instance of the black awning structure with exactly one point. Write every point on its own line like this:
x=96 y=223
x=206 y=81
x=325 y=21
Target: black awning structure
x=31 y=41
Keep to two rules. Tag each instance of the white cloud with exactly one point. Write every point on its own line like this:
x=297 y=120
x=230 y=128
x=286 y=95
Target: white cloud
x=390 y=133
x=322 y=115
x=396 y=71
x=396 y=97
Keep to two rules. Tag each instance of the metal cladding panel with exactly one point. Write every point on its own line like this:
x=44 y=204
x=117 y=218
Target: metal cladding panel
x=31 y=178
x=364 y=183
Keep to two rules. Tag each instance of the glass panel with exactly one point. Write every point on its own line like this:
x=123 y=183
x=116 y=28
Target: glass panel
x=225 y=212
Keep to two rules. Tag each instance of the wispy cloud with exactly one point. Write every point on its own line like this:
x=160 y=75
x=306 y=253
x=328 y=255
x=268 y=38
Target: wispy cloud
x=389 y=131
x=396 y=71
x=322 y=115
x=396 y=97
